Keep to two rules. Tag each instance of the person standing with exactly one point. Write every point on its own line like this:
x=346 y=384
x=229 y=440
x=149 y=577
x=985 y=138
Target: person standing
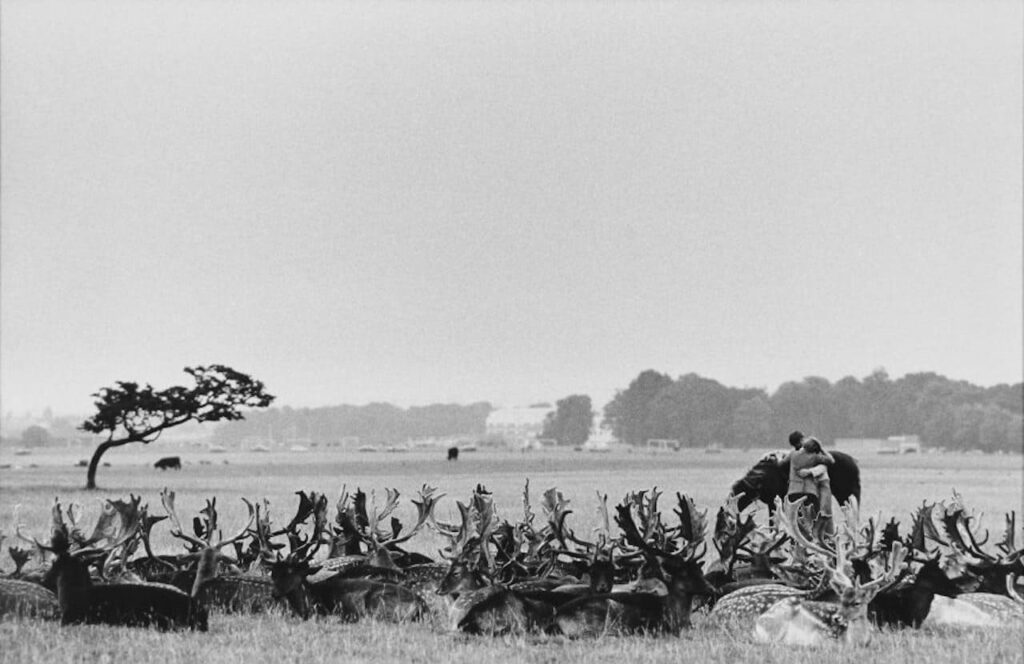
x=802 y=486
x=823 y=525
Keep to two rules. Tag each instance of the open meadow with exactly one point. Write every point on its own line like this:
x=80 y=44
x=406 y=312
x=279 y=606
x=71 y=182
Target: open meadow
x=892 y=486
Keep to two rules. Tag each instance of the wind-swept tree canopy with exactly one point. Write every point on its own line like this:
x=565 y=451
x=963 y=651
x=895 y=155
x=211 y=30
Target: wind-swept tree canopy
x=130 y=413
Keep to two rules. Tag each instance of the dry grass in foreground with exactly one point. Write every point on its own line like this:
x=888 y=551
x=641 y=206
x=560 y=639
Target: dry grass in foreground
x=279 y=638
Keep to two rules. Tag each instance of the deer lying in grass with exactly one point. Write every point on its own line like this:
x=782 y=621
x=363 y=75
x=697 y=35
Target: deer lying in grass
x=798 y=621
x=673 y=562
x=81 y=600
x=228 y=588
x=989 y=567
x=350 y=598
x=992 y=605
x=795 y=621
x=908 y=602
x=852 y=550
x=480 y=603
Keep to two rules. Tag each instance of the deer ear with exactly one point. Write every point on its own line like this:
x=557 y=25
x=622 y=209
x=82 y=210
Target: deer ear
x=310 y=571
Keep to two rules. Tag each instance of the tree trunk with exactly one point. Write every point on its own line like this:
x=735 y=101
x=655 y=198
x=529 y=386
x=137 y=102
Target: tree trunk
x=101 y=449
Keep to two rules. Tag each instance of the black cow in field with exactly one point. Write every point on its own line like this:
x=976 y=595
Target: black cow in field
x=453 y=454
x=168 y=463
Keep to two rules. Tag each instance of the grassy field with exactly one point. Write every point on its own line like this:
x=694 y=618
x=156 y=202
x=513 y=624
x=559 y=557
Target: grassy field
x=892 y=486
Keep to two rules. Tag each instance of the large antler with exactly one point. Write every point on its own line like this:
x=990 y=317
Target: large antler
x=313 y=505
x=346 y=533
x=788 y=520
x=731 y=531
x=428 y=499
x=1008 y=544
x=556 y=508
x=61 y=539
x=40 y=548
x=471 y=541
x=647 y=526
x=647 y=540
x=204 y=525
x=957 y=522
x=893 y=568
x=167 y=500
x=693 y=526
x=924 y=529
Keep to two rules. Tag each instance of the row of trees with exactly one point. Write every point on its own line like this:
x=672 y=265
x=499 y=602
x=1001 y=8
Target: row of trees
x=372 y=422
x=695 y=410
x=698 y=411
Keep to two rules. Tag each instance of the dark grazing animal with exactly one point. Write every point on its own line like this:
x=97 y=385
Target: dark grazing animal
x=168 y=463
x=769 y=479
x=453 y=454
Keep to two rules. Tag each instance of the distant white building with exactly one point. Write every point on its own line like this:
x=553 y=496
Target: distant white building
x=518 y=424
x=890 y=445
x=901 y=445
x=601 y=439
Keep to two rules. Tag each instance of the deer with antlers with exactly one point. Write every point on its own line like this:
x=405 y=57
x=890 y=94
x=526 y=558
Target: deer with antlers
x=908 y=601
x=672 y=562
x=225 y=586
x=81 y=600
x=482 y=604
x=796 y=621
x=802 y=571
x=967 y=546
x=799 y=621
x=366 y=543
x=991 y=605
x=350 y=598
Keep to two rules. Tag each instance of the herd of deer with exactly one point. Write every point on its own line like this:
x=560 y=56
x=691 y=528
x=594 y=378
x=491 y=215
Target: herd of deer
x=781 y=581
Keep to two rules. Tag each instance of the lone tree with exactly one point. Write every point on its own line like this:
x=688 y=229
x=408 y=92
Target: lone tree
x=129 y=413
x=571 y=420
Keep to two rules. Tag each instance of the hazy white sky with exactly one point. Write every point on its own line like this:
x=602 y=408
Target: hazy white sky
x=434 y=202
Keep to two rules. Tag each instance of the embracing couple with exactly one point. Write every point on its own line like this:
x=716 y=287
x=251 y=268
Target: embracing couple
x=809 y=480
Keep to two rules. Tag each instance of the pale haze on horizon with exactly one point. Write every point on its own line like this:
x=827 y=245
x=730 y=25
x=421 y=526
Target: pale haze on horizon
x=456 y=202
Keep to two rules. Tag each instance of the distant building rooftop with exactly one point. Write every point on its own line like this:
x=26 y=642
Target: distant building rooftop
x=518 y=416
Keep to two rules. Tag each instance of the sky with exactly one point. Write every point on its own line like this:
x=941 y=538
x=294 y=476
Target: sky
x=513 y=202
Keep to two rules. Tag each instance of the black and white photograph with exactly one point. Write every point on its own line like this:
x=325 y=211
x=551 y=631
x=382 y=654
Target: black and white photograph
x=527 y=331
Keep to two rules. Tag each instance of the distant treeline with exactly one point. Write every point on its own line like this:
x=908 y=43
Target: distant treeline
x=373 y=423
x=698 y=411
